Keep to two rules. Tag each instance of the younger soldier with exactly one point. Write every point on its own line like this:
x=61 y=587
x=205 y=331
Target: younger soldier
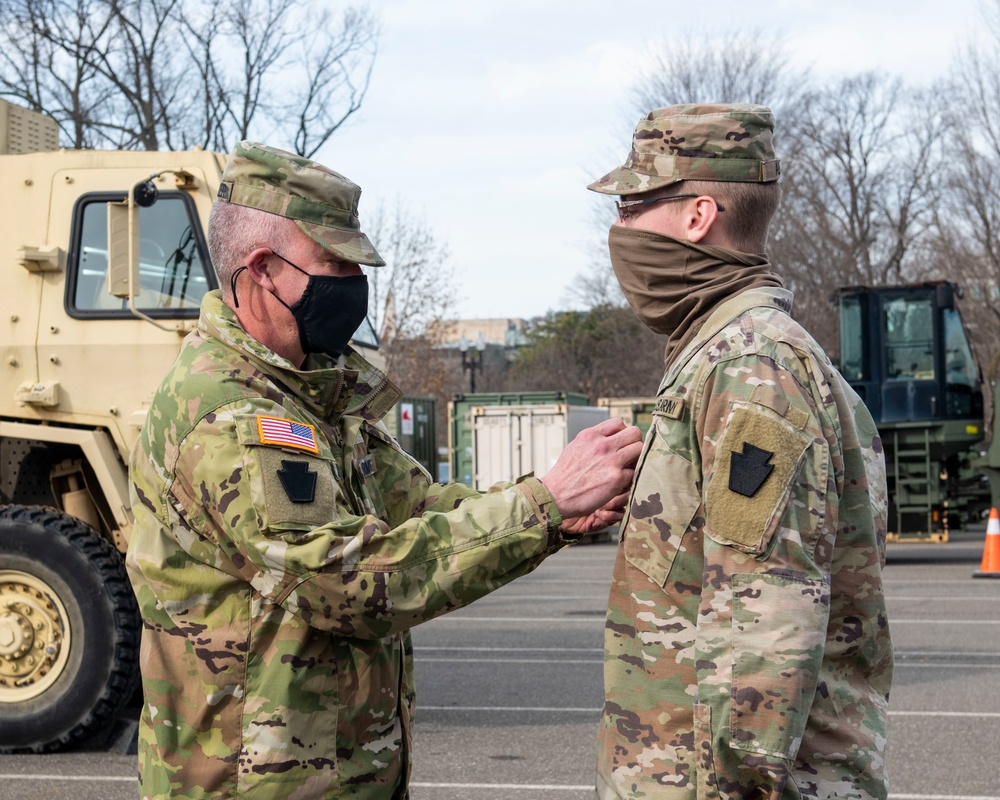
x=747 y=651
x=284 y=545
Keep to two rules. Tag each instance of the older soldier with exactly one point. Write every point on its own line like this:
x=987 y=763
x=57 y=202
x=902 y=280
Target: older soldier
x=284 y=545
x=747 y=652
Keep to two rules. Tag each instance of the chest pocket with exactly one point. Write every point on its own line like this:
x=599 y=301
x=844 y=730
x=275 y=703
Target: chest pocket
x=293 y=482
x=665 y=496
x=360 y=467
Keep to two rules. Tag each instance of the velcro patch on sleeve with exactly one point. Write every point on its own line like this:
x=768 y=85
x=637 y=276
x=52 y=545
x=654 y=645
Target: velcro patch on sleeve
x=291 y=487
x=287 y=433
x=755 y=465
x=299 y=491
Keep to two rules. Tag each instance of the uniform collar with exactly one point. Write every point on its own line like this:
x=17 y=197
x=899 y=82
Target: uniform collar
x=349 y=385
x=726 y=312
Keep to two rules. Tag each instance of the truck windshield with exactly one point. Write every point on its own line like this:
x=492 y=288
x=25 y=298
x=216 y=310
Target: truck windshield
x=909 y=344
x=172 y=273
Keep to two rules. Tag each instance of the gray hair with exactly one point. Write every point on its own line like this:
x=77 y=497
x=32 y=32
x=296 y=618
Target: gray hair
x=236 y=231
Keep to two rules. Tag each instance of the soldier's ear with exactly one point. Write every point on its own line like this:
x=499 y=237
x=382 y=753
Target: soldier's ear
x=699 y=218
x=258 y=264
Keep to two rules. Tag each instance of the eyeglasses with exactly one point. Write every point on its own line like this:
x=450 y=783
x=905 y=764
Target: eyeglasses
x=623 y=206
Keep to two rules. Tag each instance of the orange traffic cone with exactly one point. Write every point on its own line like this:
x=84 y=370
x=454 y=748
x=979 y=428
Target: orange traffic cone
x=991 y=550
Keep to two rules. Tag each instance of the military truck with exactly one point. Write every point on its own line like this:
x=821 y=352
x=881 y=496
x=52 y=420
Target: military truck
x=906 y=352
x=105 y=264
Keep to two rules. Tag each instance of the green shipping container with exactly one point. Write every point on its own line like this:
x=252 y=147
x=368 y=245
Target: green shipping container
x=636 y=411
x=412 y=423
x=460 y=423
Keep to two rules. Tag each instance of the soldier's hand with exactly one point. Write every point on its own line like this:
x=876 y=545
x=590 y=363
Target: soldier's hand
x=611 y=512
x=594 y=469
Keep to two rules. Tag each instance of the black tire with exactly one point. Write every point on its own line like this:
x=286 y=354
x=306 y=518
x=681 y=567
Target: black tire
x=77 y=583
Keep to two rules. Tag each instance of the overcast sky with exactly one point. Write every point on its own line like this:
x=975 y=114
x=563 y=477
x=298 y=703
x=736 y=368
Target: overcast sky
x=489 y=117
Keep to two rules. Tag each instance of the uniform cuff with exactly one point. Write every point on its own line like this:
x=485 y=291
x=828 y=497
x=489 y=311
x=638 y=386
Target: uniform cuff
x=541 y=502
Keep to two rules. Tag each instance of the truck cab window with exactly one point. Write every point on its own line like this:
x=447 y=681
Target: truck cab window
x=961 y=373
x=909 y=344
x=173 y=274
x=853 y=342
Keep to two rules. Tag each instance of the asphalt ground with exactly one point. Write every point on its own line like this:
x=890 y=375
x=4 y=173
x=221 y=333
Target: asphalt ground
x=509 y=690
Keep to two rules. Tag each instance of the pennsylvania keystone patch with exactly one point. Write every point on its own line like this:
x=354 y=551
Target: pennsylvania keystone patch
x=748 y=470
x=756 y=462
x=299 y=481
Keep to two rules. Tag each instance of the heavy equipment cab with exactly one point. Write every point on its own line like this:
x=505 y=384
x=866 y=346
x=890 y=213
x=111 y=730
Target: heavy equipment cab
x=905 y=351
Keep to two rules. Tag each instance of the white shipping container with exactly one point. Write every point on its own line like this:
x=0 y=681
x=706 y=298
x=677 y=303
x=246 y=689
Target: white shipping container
x=508 y=441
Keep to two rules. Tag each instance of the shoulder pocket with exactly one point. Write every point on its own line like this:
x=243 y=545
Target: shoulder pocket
x=292 y=484
x=779 y=632
x=665 y=499
x=756 y=462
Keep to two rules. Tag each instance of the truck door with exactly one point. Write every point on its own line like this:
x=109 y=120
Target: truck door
x=910 y=391
x=106 y=362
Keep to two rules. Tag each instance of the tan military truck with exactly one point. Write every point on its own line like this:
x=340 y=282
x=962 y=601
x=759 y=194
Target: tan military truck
x=104 y=261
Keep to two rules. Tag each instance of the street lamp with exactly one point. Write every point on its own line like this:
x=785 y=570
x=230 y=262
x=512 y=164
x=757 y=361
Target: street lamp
x=472 y=360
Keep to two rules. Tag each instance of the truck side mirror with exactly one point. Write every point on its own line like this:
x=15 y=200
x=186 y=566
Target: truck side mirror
x=945 y=295
x=145 y=194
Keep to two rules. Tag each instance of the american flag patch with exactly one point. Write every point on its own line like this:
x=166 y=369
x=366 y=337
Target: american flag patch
x=284 y=432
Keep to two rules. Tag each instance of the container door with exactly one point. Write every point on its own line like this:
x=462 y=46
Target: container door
x=545 y=438
x=496 y=436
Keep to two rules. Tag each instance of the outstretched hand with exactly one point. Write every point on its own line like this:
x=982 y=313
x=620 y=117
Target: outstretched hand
x=592 y=472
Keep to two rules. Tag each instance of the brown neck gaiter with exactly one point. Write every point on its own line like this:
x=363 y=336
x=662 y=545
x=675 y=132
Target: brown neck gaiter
x=673 y=285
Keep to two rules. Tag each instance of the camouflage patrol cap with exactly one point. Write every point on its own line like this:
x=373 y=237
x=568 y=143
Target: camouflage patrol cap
x=699 y=143
x=323 y=203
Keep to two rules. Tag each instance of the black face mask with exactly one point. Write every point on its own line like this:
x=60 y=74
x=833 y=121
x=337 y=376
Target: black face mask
x=329 y=311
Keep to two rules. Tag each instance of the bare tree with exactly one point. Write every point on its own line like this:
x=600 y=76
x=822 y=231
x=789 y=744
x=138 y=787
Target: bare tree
x=159 y=74
x=603 y=352
x=236 y=47
x=738 y=67
x=139 y=68
x=967 y=231
x=859 y=197
x=339 y=69
x=412 y=298
x=47 y=63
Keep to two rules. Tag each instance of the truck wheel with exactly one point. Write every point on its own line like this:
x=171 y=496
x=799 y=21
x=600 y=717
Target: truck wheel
x=69 y=631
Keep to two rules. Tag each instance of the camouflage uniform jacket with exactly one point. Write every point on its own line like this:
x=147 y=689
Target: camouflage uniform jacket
x=283 y=547
x=747 y=650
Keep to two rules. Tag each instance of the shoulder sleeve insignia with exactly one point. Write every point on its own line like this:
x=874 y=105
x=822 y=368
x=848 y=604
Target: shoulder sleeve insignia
x=755 y=468
x=298 y=481
x=748 y=470
x=287 y=433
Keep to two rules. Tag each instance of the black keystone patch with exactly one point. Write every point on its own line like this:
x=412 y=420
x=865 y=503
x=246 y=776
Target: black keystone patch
x=298 y=480
x=748 y=470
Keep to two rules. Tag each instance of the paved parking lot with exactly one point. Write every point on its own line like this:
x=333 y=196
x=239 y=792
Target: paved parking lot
x=509 y=689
